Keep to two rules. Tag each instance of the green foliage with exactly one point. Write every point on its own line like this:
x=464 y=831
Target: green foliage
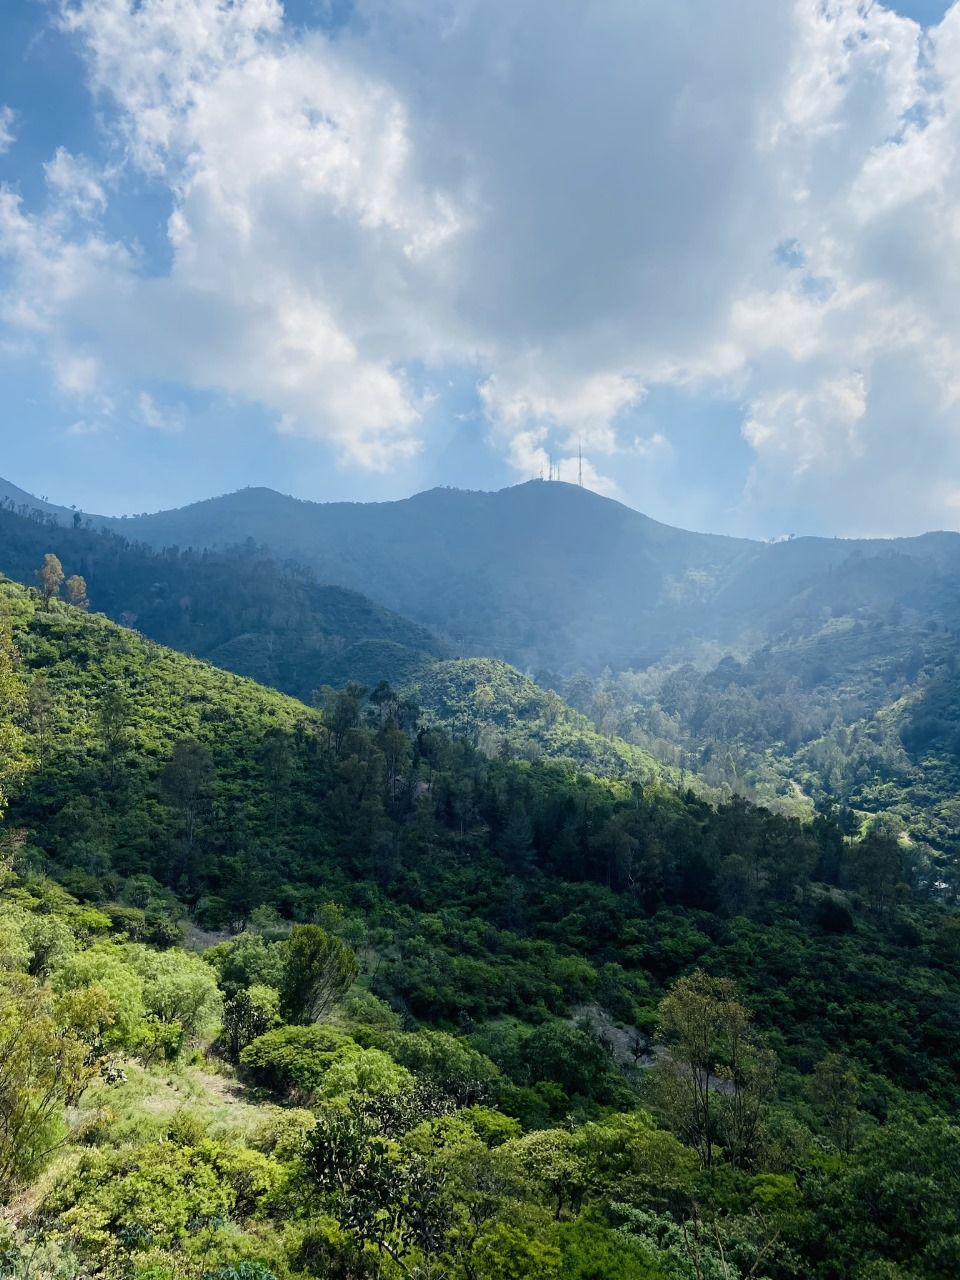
x=317 y=970
x=241 y=608
x=321 y=1061
x=179 y=990
x=162 y=1196
x=245 y=961
x=716 y=1075
x=493 y=944
x=249 y=1014
x=446 y=1062
x=106 y=970
x=505 y=714
x=13 y=759
x=42 y=1066
x=293 y=1057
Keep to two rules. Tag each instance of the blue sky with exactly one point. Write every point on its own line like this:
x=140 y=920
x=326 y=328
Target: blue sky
x=353 y=250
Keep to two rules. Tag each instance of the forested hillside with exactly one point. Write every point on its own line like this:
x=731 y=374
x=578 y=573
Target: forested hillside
x=245 y=612
x=796 y=673
x=504 y=713
x=857 y=716
x=549 y=575
x=241 y=609
x=453 y=1014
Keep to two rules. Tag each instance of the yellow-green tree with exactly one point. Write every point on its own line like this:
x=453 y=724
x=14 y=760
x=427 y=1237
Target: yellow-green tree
x=13 y=759
x=77 y=592
x=41 y=1067
x=717 y=1074
x=51 y=577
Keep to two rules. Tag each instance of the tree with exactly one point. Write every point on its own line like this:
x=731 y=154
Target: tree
x=251 y=1013
x=341 y=710
x=717 y=1074
x=186 y=782
x=318 y=970
x=834 y=1091
x=877 y=869
x=899 y=1200
x=13 y=761
x=114 y=714
x=395 y=745
x=277 y=762
x=51 y=577
x=40 y=1067
x=39 y=708
x=180 y=990
x=383 y=698
x=550 y=1161
x=397 y=1207
x=77 y=592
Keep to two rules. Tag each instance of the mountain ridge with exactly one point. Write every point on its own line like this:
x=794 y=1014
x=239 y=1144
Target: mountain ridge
x=12 y=492
x=548 y=576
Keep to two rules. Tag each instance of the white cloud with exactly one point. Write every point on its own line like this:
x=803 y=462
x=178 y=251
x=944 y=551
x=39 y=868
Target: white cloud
x=158 y=417
x=528 y=454
x=579 y=204
x=7 y=135
x=81 y=428
x=583 y=410
x=74 y=185
x=811 y=429
x=653 y=446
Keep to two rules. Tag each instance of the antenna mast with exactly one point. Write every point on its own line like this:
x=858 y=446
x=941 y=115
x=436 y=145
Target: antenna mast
x=580 y=461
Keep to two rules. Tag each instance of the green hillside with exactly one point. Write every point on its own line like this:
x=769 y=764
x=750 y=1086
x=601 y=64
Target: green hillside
x=505 y=713
x=455 y=1014
x=790 y=673
x=552 y=576
x=240 y=609
x=855 y=715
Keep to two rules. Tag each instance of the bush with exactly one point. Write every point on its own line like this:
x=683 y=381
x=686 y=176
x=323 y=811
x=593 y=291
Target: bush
x=292 y=1057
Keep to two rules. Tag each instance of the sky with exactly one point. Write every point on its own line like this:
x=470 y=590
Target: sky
x=352 y=249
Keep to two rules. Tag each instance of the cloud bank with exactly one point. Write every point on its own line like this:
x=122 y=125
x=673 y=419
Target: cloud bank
x=756 y=203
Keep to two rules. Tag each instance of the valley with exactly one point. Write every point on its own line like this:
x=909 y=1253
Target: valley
x=413 y=965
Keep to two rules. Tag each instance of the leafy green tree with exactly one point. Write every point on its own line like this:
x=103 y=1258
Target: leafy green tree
x=341 y=711
x=318 y=971
x=40 y=1069
x=292 y=1058
x=276 y=759
x=717 y=1075
x=398 y=1207
x=179 y=990
x=568 y=1055
x=252 y=1012
x=453 y=1067
x=187 y=780
x=118 y=1203
x=107 y=970
x=897 y=1202
x=40 y=712
x=504 y=1252
x=13 y=760
x=245 y=961
x=835 y=1092
x=383 y=698
x=114 y=717
x=548 y=1160
x=628 y=1158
